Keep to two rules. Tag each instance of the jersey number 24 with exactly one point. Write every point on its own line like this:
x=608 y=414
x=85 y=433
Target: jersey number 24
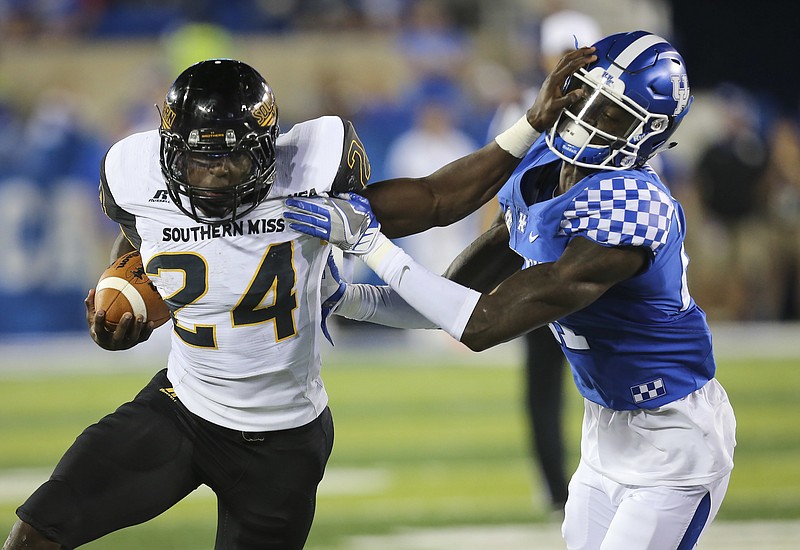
x=275 y=274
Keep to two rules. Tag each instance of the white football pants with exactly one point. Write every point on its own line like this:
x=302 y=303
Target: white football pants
x=603 y=515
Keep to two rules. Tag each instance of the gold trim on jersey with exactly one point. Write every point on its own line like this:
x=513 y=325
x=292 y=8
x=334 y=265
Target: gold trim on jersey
x=277 y=270
x=195 y=283
x=169 y=392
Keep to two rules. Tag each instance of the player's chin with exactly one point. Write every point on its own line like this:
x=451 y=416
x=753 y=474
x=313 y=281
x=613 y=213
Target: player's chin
x=215 y=209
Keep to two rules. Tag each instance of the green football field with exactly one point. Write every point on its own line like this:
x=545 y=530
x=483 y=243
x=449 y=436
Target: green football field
x=416 y=446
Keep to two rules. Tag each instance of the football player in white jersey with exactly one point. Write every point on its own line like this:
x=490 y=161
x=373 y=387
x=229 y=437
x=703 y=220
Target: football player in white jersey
x=599 y=240
x=240 y=406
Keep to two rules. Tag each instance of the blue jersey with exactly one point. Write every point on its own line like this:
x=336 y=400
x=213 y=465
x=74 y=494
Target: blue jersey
x=645 y=342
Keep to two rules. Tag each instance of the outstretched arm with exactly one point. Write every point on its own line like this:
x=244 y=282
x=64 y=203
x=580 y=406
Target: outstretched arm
x=406 y=206
x=524 y=301
x=481 y=266
x=546 y=292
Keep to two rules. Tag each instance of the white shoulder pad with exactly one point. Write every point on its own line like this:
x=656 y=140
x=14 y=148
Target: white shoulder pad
x=308 y=157
x=131 y=170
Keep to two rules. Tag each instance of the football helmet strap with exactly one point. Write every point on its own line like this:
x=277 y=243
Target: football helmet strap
x=219 y=111
x=637 y=95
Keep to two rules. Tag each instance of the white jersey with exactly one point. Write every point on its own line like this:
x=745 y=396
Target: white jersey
x=245 y=297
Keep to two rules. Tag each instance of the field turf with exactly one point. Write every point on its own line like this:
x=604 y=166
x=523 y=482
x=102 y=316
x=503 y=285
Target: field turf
x=415 y=446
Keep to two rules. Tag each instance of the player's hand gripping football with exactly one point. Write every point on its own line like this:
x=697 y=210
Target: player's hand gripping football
x=346 y=221
x=128 y=332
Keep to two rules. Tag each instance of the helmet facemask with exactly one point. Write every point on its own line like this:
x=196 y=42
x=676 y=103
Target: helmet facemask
x=605 y=129
x=196 y=171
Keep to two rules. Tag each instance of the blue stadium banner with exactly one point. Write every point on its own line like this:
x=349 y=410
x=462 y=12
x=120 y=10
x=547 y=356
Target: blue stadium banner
x=54 y=241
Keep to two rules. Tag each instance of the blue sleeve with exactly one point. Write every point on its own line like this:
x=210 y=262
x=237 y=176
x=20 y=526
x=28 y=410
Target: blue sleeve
x=620 y=211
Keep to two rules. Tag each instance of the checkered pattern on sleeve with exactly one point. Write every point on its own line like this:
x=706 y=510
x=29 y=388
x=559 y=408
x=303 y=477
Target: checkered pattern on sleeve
x=622 y=212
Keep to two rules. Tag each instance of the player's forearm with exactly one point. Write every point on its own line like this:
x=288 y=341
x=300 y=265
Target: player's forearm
x=446 y=304
x=482 y=266
x=545 y=292
x=409 y=206
x=527 y=300
x=380 y=305
x=508 y=313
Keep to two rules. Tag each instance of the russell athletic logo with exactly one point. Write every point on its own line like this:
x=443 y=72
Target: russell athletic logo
x=160 y=196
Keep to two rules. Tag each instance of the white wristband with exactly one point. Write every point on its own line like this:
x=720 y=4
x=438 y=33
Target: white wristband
x=519 y=138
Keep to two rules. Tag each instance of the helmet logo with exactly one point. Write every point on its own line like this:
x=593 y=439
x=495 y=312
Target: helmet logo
x=167 y=117
x=265 y=113
x=680 y=92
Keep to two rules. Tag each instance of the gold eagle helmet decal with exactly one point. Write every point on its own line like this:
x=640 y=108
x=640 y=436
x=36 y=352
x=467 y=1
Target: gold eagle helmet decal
x=167 y=117
x=266 y=111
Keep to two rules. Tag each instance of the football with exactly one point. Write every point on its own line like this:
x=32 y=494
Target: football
x=124 y=287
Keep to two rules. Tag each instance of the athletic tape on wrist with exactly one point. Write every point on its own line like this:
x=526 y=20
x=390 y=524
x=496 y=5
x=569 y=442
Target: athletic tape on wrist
x=383 y=248
x=519 y=138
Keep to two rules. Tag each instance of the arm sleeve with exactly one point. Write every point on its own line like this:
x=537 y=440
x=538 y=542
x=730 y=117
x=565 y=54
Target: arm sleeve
x=621 y=211
x=445 y=303
x=381 y=305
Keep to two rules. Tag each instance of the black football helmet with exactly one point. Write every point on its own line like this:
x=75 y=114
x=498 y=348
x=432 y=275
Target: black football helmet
x=218 y=130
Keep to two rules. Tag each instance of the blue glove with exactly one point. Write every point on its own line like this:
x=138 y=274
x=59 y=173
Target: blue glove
x=333 y=287
x=346 y=221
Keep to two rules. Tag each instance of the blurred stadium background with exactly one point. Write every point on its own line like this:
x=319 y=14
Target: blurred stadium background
x=431 y=446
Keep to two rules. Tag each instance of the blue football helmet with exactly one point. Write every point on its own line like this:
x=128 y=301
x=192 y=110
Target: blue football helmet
x=637 y=95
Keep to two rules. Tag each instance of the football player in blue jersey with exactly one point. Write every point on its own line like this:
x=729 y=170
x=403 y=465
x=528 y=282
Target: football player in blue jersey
x=592 y=245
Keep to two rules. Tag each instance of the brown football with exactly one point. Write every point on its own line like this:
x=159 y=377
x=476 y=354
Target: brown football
x=124 y=287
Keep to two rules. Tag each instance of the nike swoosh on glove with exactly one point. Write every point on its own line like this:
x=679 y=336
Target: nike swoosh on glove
x=346 y=221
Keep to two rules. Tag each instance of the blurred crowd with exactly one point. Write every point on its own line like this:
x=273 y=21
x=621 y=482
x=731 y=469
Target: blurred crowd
x=470 y=66
x=116 y=18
